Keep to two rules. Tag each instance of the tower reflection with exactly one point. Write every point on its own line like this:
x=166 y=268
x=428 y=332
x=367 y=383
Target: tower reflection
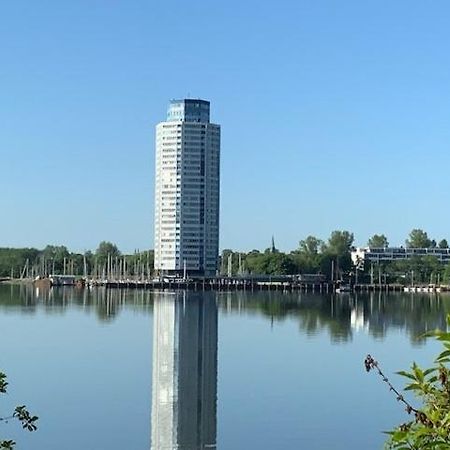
x=184 y=391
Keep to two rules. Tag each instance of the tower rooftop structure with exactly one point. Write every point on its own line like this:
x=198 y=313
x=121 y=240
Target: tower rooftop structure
x=188 y=110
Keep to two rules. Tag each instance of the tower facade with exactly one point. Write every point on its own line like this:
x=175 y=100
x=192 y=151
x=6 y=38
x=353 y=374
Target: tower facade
x=187 y=185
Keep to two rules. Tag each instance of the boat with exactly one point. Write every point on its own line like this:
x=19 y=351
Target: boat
x=62 y=280
x=343 y=287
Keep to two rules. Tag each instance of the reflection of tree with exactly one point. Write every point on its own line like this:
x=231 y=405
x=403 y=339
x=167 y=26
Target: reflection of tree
x=106 y=303
x=340 y=315
x=415 y=313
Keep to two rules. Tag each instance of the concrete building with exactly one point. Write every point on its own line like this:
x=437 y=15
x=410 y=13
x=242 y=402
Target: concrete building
x=184 y=391
x=376 y=255
x=187 y=190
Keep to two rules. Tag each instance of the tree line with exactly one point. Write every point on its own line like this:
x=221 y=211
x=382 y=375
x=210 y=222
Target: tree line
x=58 y=260
x=331 y=258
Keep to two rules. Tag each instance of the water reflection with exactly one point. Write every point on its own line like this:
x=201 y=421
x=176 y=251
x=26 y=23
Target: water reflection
x=340 y=315
x=184 y=392
x=106 y=303
x=343 y=315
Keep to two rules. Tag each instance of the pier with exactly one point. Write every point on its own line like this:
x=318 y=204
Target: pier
x=234 y=284
x=217 y=284
x=240 y=284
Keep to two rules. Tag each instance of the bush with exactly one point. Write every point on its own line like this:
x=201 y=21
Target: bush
x=430 y=424
x=20 y=413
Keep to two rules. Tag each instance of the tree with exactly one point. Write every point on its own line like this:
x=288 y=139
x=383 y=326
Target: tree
x=340 y=242
x=443 y=243
x=280 y=264
x=338 y=249
x=446 y=275
x=307 y=257
x=429 y=428
x=270 y=263
x=54 y=257
x=13 y=260
x=311 y=245
x=106 y=249
x=418 y=239
x=20 y=413
x=378 y=241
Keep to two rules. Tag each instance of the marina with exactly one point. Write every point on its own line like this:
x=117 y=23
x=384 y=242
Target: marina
x=289 y=284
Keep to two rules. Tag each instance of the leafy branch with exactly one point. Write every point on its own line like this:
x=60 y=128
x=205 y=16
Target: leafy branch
x=371 y=364
x=430 y=428
x=20 y=413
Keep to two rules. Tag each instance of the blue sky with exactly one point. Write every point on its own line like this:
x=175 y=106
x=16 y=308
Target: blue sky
x=334 y=115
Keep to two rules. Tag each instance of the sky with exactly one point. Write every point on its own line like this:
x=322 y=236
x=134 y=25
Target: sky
x=334 y=115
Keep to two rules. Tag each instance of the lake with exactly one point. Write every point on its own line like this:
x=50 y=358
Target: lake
x=128 y=369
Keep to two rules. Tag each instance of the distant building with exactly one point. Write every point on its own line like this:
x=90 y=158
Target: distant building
x=187 y=190
x=377 y=255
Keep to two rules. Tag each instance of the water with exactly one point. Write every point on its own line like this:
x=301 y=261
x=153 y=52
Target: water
x=138 y=370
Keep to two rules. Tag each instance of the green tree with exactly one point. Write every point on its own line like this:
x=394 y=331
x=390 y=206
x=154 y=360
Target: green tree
x=443 y=243
x=106 y=249
x=378 y=241
x=418 y=239
x=308 y=256
x=20 y=413
x=13 y=260
x=446 y=274
x=311 y=245
x=338 y=249
x=270 y=263
x=280 y=264
x=339 y=243
x=54 y=257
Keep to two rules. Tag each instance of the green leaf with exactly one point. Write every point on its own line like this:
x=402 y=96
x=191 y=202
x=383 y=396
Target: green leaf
x=444 y=354
x=406 y=374
x=430 y=370
x=418 y=372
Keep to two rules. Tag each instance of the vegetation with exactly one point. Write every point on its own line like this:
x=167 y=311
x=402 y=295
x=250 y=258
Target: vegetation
x=430 y=424
x=313 y=256
x=378 y=241
x=330 y=258
x=419 y=239
x=53 y=259
x=20 y=413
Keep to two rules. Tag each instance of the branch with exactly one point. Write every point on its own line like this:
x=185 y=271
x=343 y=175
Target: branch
x=420 y=416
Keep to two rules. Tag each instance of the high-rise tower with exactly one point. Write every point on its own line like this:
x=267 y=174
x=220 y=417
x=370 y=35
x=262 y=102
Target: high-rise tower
x=187 y=190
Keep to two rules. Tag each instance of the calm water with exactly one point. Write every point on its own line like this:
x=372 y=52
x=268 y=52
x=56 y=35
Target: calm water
x=134 y=370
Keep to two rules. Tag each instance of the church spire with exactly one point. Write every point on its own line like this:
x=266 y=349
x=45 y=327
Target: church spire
x=272 y=248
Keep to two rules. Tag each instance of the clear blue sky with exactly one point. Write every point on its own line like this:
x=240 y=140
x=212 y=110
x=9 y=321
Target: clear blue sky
x=335 y=115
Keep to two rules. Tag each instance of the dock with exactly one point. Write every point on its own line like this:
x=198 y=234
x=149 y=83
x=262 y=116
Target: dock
x=244 y=284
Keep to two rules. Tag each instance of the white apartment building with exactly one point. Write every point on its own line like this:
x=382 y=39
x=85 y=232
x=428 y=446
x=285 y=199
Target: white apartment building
x=376 y=255
x=187 y=186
